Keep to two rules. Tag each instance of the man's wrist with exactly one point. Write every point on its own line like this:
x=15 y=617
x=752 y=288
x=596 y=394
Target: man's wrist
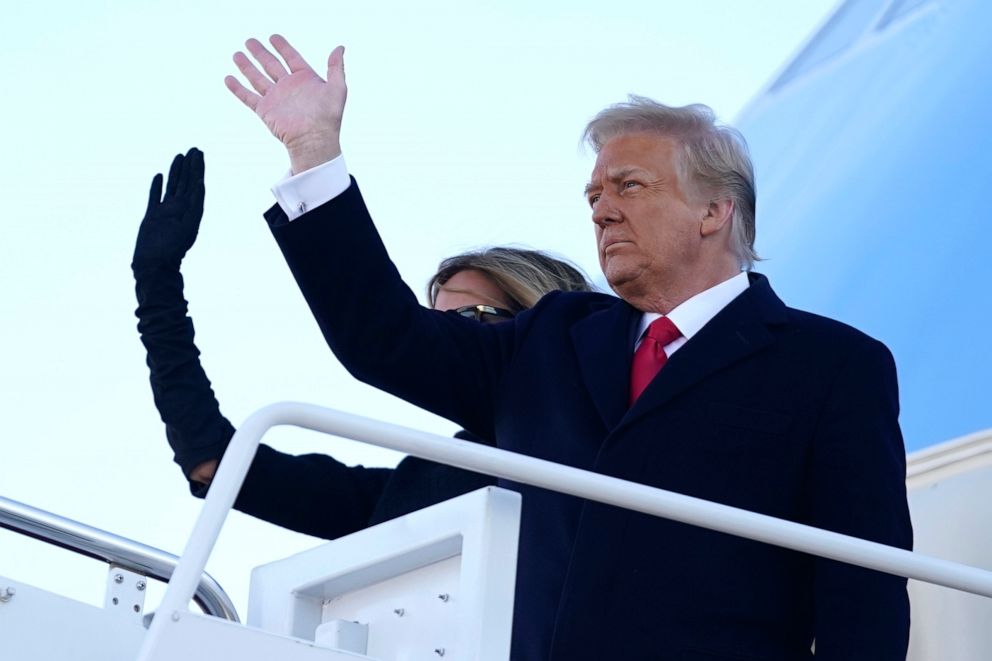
x=314 y=152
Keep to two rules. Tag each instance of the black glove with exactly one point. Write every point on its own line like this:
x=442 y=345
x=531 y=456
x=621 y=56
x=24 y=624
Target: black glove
x=169 y=227
x=194 y=426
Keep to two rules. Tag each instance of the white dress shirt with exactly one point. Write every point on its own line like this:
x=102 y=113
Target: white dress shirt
x=298 y=193
x=691 y=315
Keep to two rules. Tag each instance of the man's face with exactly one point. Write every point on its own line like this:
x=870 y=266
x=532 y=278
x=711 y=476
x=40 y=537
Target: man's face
x=648 y=225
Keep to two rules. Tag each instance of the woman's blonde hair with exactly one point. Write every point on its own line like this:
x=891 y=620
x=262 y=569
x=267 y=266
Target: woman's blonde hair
x=523 y=275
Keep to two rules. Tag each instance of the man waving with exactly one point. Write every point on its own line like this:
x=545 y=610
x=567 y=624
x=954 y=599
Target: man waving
x=695 y=378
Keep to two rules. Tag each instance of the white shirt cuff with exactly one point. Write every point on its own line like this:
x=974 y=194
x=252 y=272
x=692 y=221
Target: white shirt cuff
x=307 y=190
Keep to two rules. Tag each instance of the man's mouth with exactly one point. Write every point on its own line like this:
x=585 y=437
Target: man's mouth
x=613 y=243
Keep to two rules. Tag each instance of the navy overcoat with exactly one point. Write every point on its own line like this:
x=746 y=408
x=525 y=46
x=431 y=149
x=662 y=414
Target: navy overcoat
x=767 y=408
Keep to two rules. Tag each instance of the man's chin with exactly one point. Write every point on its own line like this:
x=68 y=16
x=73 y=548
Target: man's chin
x=621 y=282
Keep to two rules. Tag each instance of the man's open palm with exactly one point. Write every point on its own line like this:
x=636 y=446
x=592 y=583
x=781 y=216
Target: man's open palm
x=299 y=107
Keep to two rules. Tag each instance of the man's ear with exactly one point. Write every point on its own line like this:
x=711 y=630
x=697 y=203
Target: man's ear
x=718 y=215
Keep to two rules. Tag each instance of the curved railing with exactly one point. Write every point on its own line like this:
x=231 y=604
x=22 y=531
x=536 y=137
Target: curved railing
x=537 y=472
x=120 y=551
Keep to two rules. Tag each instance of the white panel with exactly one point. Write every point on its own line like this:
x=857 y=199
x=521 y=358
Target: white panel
x=420 y=607
x=36 y=625
x=441 y=578
x=194 y=637
x=951 y=505
x=125 y=593
x=344 y=635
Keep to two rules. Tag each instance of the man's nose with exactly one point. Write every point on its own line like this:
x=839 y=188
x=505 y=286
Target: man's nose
x=604 y=211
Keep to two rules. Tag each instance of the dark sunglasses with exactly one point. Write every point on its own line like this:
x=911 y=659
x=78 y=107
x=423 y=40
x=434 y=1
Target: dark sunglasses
x=484 y=313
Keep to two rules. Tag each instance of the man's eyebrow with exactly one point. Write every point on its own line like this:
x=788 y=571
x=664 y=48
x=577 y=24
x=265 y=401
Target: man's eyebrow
x=625 y=172
x=616 y=175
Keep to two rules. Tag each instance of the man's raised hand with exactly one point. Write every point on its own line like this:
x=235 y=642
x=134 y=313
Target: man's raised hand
x=299 y=107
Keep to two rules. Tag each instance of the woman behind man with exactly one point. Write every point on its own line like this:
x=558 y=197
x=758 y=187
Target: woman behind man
x=488 y=286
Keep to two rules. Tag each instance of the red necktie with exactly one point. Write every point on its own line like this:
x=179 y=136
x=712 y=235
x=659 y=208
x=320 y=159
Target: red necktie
x=650 y=356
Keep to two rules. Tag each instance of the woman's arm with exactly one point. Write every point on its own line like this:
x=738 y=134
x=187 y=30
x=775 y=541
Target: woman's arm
x=195 y=428
x=312 y=494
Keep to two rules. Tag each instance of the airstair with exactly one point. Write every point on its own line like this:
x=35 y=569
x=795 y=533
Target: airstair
x=439 y=582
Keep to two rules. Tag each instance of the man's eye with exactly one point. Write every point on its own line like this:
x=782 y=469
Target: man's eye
x=630 y=184
x=593 y=199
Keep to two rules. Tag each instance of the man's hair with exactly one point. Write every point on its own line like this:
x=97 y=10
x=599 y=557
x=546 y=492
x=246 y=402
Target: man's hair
x=523 y=275
x=713 y=158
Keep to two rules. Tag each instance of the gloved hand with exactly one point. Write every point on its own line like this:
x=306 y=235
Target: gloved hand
x=170 y=225
x=194 y=426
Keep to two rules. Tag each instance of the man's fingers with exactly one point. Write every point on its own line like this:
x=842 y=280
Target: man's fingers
x=293 y=58
x=258 y=80
x=174 y=170
x=335 y=64
x=246 y=96
x=269 y=62
x=154 y=194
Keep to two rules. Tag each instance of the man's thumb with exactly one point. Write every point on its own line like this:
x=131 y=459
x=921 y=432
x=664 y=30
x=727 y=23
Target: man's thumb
x=335 y=63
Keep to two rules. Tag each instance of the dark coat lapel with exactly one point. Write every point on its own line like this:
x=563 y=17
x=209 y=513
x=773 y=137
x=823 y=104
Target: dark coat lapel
x=602 y=345
x=737 y=331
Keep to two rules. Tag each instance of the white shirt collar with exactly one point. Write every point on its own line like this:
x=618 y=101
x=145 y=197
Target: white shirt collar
x=691 y=315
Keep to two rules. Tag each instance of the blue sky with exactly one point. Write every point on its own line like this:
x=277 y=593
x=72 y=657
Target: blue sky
x=462 y=124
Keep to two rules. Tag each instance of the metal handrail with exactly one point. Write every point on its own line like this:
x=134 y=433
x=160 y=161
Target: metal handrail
x=537 y=472
x=120 y=551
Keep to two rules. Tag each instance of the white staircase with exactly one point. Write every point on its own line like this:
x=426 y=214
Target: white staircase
x=439 y=583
